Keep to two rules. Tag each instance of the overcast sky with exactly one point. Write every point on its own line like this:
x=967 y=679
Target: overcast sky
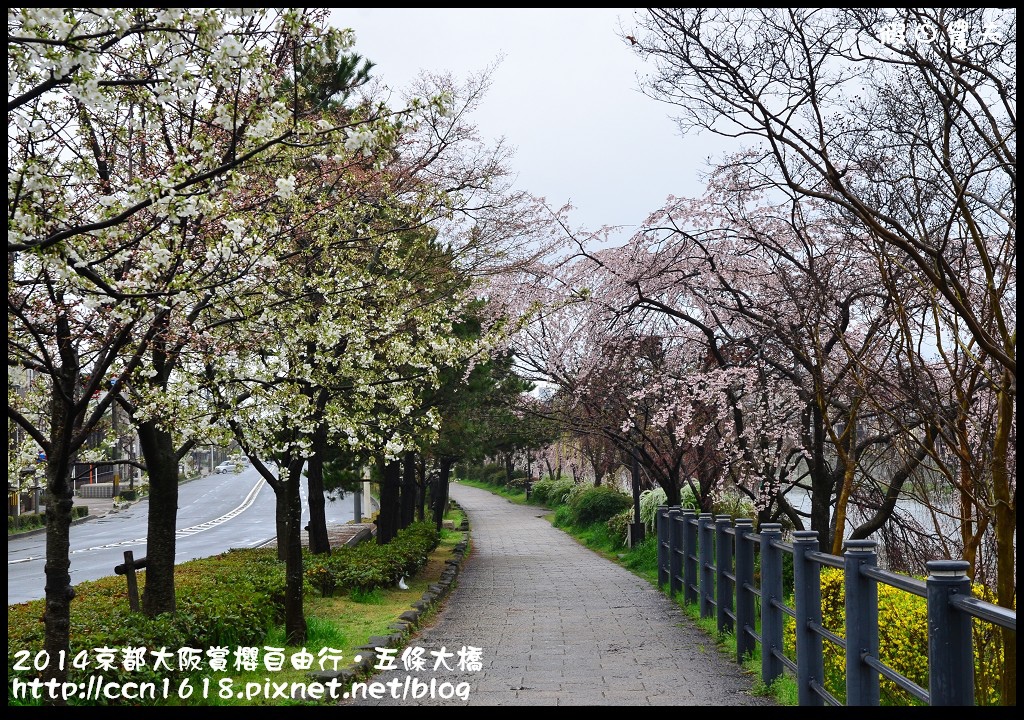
x=566 y=97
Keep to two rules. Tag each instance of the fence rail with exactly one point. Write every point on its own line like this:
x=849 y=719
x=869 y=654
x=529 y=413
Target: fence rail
x=711 y=560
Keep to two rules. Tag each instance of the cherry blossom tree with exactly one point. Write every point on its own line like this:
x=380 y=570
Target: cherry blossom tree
x=125 y=125
x=902 y=122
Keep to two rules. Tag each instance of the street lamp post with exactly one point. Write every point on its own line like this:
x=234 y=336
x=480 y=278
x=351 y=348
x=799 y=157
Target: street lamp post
x=529 y=473
x=117 y=449
x=636 y=528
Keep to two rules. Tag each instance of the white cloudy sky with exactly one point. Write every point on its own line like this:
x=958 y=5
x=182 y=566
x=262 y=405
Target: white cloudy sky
x=565 y=96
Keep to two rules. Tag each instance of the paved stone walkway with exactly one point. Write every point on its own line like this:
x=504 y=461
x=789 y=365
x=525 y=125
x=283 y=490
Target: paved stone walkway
x=560 y=625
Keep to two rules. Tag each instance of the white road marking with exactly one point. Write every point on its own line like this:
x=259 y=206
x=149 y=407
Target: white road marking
x=183 y=533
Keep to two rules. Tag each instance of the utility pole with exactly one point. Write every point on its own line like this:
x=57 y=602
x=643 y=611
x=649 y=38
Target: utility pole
x=117 y=448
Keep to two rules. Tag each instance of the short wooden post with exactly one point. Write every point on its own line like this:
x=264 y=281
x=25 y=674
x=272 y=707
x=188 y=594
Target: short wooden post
x=128 y=570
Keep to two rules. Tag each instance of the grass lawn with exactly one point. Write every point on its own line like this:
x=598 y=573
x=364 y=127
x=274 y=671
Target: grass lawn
x=342 y=624
x=337 y=626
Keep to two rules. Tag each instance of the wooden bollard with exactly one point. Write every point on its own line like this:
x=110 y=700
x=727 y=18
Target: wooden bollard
x=128 y=570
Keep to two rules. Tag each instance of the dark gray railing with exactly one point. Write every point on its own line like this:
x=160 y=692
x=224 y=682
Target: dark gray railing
x=711 y=560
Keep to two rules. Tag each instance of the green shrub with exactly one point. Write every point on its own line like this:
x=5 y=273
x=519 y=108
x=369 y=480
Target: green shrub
x=735 y=506
x=33 y=521
x=730 y=503
x=552 y=491
x=618 y=525
x=518 y=480
x=597 y=504
x=563 y=516
x=236 y=605
x=575 y=491
x=369 y=566
x=22 y=523
x=650 y=501
x=493 y=473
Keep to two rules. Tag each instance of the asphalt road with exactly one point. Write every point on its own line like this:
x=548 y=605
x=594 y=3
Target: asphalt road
x=215 y=513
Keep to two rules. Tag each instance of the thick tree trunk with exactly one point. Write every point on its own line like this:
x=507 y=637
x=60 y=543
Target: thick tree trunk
x=1006 y=531
x=421 y=489
x=408 y=503
x=58 y=590
x=508 y=469
x=673 y=496
x=440 y=502
x=157 y=444
x=388 y=517
x=821 y=482
x=281 y=515
x=318 y=541
x=294 y=617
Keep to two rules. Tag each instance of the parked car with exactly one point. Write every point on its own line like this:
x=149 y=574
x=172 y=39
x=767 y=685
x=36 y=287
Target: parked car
x=228 y=466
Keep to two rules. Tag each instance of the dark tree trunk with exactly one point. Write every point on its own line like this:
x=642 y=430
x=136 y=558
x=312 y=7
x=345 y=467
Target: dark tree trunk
x=440 y=502
x=58 y=589
x=821 y=481
x=508 y=469
x=281 y=515
x=157 y=445
x=318 y=541
x=421 y=489
x=673 y=495
x=388 y=517
x=408 y=504
x=294 y=618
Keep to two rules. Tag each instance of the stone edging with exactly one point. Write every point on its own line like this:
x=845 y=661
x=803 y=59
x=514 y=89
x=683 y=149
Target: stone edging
x=408 y=621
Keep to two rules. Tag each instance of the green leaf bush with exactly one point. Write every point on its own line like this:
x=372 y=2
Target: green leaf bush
x=618 y=525
x=551 y=491
x=368 y=566
x=597 y=504
x=650 y=501
x=227 y=600
x=32 y=521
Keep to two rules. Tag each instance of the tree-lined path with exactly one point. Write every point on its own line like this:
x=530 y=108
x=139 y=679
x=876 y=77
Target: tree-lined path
x=559 y=625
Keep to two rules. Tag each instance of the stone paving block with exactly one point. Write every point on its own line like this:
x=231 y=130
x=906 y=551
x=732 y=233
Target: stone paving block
x=581 y=630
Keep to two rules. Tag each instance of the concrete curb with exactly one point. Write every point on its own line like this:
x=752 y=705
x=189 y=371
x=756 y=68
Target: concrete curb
x=409 y=621
x=78 y=521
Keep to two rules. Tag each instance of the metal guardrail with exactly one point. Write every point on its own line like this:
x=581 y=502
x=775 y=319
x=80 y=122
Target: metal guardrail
x=711 y=560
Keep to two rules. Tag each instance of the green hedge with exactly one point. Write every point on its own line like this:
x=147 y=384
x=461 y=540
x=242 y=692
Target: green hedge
x=551 y=491
x=227 y=600
x=368 y=565
x=598 y=504
x=32 y=521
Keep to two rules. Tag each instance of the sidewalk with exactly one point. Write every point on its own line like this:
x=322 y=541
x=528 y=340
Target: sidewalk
x=98 y=507
x=558 y=624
